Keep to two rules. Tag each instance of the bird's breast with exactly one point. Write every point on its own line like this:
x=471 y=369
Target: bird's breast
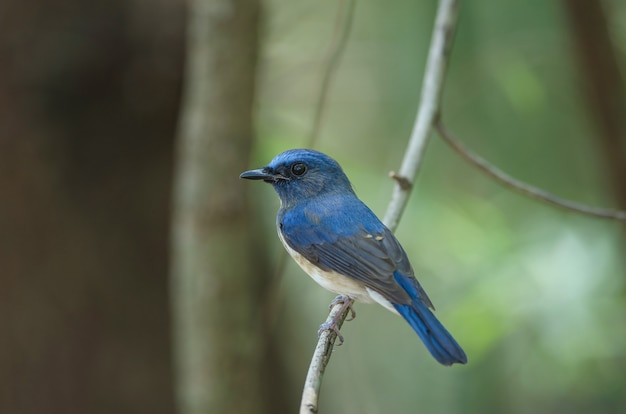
x=329 y=280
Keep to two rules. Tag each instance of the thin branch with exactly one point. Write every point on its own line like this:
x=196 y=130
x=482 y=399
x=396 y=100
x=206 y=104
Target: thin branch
x=345 y=16
x=430 y=102
x=340 y=39
x=321 y=357
x=432 y=86
x=521 y=186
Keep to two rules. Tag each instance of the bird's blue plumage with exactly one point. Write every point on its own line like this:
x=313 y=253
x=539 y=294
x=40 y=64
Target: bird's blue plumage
x=341 y=243
x=437 y=339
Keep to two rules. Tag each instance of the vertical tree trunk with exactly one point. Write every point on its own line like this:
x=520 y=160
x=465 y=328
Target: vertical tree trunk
x=604 y=86
x=216 y=289
x=89 y=97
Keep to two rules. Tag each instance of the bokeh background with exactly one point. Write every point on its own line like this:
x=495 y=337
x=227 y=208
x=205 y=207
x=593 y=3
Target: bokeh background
x=90 y=97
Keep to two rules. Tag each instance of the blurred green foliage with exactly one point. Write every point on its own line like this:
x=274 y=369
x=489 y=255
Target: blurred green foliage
x=534 y=294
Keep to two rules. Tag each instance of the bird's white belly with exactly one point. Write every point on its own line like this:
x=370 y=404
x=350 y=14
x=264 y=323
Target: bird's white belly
x=336 y=282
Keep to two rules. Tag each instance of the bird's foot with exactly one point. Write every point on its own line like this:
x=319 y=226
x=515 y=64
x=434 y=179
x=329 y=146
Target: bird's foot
x=347 y=302
x=332 y=325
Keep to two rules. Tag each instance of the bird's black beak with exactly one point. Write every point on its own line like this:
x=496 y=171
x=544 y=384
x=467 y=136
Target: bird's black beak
x=260 y=174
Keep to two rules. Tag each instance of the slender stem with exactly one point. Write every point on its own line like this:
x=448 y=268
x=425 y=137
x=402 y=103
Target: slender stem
x=345 y=16
x=434 y=76
x=321 y=357
x=521 y=186
x=340 y=39
x=430 y=102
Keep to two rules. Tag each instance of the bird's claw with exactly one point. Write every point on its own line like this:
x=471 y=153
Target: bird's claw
x=331 y=326
x=352 y=314
x=344 y=300
x=346 y=304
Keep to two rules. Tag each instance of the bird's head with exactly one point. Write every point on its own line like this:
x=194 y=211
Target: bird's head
x=302 y=174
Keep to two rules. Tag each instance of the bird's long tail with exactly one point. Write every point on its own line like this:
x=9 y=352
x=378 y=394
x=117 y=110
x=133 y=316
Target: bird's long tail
x=437 y=339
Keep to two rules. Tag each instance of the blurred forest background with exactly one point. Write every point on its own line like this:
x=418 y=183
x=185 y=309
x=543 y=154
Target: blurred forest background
x=90 y=99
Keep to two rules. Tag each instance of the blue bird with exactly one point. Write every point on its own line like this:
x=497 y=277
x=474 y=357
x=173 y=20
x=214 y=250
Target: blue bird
x=343 y=246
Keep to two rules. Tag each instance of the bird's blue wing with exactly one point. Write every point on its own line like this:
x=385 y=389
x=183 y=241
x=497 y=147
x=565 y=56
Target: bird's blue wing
x=346 y=237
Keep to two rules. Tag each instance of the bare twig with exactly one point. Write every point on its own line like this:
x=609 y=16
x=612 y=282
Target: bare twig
x=430 y=102
x=520 y=186
x=345 y=16
x=321 y=356
x=432 y=87
x=340 y=39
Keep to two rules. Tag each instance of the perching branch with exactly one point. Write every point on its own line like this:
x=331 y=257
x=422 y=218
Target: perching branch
x=520 y=186
x=321 y=356
x=432 y=87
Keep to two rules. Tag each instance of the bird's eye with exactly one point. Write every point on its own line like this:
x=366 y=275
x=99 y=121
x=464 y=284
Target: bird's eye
x=298 y=168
